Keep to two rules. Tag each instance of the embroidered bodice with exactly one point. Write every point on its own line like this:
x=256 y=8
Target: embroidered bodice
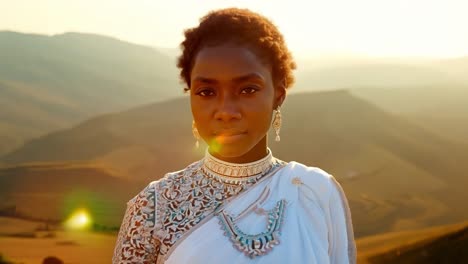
x=180 y=200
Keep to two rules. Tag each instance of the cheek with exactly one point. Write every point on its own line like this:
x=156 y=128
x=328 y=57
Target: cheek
x=260 y=117
x=201 y=116
x=202 y=111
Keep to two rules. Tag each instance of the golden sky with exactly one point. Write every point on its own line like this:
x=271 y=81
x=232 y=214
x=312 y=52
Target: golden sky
x=427 y=28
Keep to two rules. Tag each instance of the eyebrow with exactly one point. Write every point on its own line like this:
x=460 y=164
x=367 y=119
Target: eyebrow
x=238 y=79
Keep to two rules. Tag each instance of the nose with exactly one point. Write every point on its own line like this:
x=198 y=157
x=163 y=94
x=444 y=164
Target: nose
x=227 y=108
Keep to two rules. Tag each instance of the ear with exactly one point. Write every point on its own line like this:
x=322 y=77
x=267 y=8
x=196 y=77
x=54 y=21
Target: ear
x=280 y=95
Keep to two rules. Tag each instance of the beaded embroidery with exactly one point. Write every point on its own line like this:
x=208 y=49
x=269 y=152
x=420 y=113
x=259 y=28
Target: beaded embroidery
x=236 y=173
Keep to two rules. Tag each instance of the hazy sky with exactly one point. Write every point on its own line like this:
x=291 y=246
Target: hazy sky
x=362 y=27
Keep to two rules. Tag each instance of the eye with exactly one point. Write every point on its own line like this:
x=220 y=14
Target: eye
x=249 y=90
x=205 y=92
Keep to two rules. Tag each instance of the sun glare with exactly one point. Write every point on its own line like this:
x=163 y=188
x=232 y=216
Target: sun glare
x=215 y=145
x=80 y=219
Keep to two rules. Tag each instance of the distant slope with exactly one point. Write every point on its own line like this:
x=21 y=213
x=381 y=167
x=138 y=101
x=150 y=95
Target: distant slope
x=455 y=66
x=49 y=83
x=55 y=190
x=68 y=246
x=343 y=73
x=440 y=108
x=144 y=141
x=440 y=244
x=392 y=170
x=373 y=74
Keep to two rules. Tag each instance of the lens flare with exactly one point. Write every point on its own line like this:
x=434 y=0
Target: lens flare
x=215 y=145
x=79 y=220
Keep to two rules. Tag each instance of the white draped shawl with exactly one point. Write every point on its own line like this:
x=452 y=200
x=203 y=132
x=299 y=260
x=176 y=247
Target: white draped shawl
x=317 y=226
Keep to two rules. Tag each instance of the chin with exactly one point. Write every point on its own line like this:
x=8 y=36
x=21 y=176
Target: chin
x=229 y=150
x=230 y=153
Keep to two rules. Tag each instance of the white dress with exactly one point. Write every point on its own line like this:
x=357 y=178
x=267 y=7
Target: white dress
x=267 y=211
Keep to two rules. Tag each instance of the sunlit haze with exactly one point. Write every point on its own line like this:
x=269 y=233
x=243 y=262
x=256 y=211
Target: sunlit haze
x=426 y=28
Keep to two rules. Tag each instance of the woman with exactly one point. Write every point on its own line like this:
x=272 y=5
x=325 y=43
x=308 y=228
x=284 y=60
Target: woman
x=239 y=204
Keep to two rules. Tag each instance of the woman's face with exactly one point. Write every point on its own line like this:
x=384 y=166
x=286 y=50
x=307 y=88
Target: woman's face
x=232 y=98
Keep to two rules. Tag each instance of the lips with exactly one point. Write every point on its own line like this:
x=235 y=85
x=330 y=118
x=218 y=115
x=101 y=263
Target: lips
x=227 y=133
x=229 y=137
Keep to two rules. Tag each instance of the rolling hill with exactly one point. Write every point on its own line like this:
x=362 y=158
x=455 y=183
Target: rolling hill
x=440 y=244
x=396 y=174
x=54 y=190
x=53 y=82
x=442 y=109
x=388 y=73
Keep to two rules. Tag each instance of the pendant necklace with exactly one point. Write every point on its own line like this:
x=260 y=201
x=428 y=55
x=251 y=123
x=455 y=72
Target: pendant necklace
x=257 y=244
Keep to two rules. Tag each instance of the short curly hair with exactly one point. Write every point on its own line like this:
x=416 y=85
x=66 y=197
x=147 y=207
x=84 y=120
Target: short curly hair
x=241 y=26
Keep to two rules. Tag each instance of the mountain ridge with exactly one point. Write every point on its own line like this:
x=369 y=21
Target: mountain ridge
x=52 y=82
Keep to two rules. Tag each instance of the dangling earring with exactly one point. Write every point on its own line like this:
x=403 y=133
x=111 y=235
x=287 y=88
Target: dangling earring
x=277 y=123
x=195 y=133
